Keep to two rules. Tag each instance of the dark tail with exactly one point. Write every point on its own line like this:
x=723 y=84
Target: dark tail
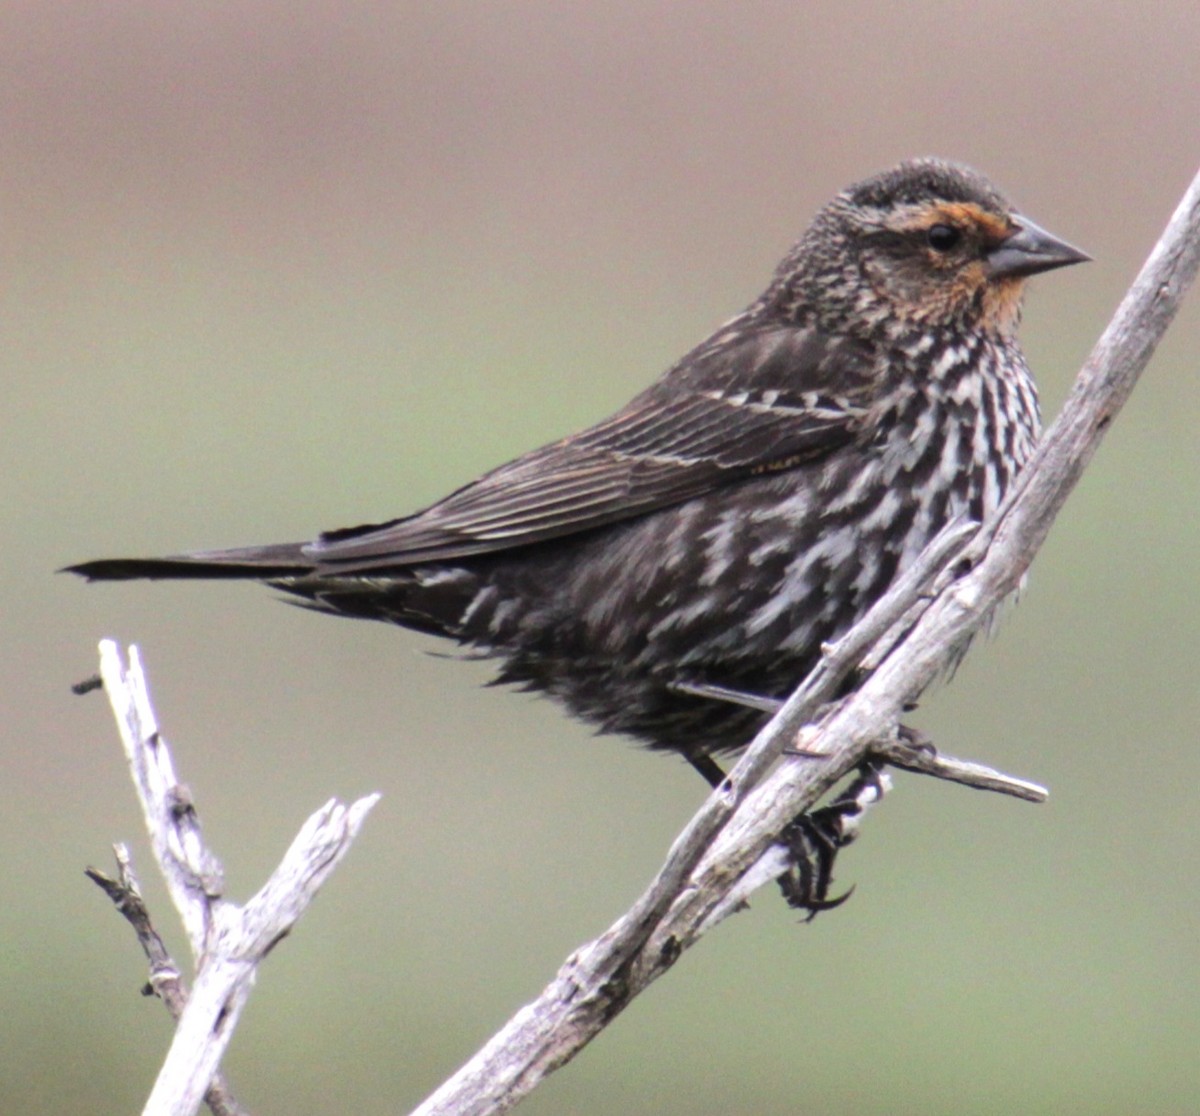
x=261 y=563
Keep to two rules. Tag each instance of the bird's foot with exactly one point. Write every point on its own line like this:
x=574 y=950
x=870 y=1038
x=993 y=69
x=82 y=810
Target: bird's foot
x=814 y=839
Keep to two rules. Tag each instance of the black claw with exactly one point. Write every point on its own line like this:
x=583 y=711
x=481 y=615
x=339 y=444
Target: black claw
x=818 y=905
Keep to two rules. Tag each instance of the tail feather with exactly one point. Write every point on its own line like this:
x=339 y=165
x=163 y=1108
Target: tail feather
x=255 y=562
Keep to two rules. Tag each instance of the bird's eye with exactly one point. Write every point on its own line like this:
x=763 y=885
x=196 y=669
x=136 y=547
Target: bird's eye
x=943 y=238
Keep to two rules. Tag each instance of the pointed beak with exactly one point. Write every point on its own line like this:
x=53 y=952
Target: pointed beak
x=1029 y=250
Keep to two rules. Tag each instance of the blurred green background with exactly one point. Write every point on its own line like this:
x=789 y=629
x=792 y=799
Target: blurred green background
x=271 y=268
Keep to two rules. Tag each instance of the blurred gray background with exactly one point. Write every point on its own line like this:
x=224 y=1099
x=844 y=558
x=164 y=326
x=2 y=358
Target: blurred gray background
x=271 y=268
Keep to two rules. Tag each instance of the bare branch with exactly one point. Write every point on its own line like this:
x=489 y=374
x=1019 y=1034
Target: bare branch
x=240 y=939
x=739 y=825
x=923 y=761
x=166 y=982
x=228 y=942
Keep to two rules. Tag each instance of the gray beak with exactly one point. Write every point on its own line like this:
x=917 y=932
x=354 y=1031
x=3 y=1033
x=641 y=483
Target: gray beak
x=1029 y=250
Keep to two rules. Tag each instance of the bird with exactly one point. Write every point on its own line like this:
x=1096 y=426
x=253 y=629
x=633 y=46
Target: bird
x=747 y=507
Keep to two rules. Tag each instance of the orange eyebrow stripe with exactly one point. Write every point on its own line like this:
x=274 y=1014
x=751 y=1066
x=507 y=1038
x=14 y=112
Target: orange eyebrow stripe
x=967 y=213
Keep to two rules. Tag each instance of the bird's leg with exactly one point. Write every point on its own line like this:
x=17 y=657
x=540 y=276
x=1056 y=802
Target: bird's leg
x=709 y=769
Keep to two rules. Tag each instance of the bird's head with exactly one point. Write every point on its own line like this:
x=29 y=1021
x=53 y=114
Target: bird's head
x=928 y=244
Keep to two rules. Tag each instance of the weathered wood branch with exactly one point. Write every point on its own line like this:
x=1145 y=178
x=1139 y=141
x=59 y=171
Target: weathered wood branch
x=740 y=823
x=166 y=981
x=228 y=942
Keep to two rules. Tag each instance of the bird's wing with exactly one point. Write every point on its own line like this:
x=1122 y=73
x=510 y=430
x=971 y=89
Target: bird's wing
x=691 y=432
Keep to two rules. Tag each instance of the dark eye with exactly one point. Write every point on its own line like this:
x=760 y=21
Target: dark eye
x=943 y=238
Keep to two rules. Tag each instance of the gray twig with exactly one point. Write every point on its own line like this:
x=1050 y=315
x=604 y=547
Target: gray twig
x=967 y=772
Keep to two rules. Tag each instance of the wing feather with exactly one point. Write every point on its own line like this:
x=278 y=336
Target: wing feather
x=686 y=435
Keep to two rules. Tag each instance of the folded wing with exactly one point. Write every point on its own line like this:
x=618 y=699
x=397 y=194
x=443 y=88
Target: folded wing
x=678 y=440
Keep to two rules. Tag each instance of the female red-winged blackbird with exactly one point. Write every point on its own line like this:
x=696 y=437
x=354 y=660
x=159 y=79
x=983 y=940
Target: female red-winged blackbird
x=750 y=504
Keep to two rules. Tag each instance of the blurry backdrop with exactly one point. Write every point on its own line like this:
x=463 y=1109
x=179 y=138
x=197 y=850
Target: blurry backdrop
x=270 y=268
